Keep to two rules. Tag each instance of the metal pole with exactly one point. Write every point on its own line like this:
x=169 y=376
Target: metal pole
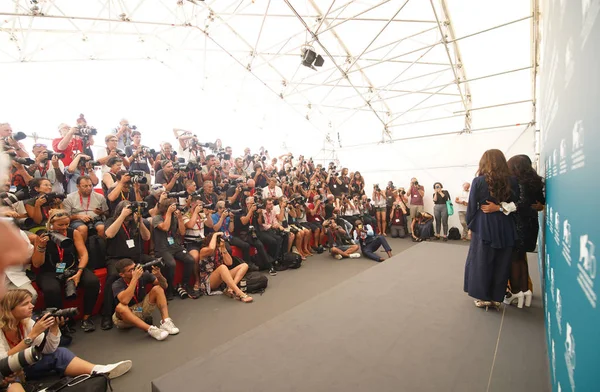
x=349 y=18
x=423 y=121
x=495 y=106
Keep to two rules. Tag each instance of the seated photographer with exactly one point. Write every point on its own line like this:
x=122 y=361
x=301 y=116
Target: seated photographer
x=271 y=232
x=369 y=242
x=62 y=262
x=135 y=306
x=398 y=217
x=19 y=177
x=340 y=245
x=169 y=228
x=208 y=196
x=81 y=165
x=245 y=230
x=422 y=227
x=103 y=155
x=214 y=274
x=88 y=215
x=295 y=235
x=238 y=193
x=237 y=171
x=297 y=218
x=48 y=165
x=140 y=157
x=259 y=177
x=166 y=153
x=272 y=191
x=70 y=143
x=125 y=236
x=349 y=208
x=15 y=276
x=20 y=333
x=170 y=178
x=115 y=165
x=122 y=191
x=42 y=201
x=12 y=140
x=157 y=194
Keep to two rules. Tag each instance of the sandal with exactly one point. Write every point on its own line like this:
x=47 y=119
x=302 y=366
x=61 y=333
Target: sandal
x=244 y=298
x=229 y=293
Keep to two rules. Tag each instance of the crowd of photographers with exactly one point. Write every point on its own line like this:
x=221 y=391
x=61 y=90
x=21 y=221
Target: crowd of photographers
x=186 y=204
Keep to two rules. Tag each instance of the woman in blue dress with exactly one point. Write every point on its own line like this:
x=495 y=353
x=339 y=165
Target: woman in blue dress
x=492 y=197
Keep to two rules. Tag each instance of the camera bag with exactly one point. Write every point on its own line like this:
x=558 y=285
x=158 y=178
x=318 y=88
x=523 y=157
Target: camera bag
x=255 y=282
x=454 y=233
x=84 y=383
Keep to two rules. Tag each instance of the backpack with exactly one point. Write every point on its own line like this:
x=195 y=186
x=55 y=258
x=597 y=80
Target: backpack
x=454 y=234
x=255 y=282
x=291 y=261
x=96 y=246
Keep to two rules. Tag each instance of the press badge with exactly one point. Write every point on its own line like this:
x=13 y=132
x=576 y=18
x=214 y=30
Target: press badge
x=60 y=268
x=130 y=244
x=138 y=309
x=170 y=240
x=397 y=220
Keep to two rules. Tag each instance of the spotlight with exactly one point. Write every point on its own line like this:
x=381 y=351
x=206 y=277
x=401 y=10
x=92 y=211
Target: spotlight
x=311 y=59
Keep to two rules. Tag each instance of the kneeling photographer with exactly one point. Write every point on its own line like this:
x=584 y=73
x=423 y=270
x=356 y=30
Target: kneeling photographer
x=125 y=234
x=36 y=344
x=62 y=263
x=135 y=306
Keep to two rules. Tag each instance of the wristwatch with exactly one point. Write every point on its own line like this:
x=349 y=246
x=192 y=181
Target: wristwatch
x=501 y=209
x=28 y=341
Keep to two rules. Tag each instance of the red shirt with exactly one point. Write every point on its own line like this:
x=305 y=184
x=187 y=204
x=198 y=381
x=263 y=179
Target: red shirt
x=318 y=215
x=74 y=144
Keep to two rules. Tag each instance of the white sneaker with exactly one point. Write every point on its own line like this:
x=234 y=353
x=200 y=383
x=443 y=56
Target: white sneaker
x=157 y=333
x=113 y=370
x=354 y=255
x=338 y=257
x=167 y=325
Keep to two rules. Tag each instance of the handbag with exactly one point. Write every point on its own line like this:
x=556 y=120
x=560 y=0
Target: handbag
x=83 y=383
x=450 y=207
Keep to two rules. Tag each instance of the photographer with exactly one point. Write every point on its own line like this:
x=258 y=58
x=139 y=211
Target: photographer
x=85 y=216
x=157 y=194
x=135 y=306
x=104 y=155
x=125 y=236
x=6 y=134
x=169 y=177
x=166 y=153
x=398 y=215
x=235 y=195
x=415 y=197
x=422 y=227
x=238 y=171
x=369 y=242
x=48 y=167
x=340 y=245
x=62 y=263
x=440 y=210
x=294 y=234
x=207 y=194
x=140 y=157
x=122 y=191
x=271 y=232
x=168 y=229
x=20 y=332
x=245 y=230
x=272 y=191
x=70 y=143
x=42 y=201
x=189 y=147
x=212 y=170
x=297 y=218
x=19 y=176
x=357 y=184
x=81 y=165
x=380 y=204
x=227 y=161
x=124 y=134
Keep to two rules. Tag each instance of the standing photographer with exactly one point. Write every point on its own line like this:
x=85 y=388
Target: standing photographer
x=168 y=229
x=70 y=143
x=237 y=171
x=140 y=157
x=440 y=210
x=20 y=333
x=124 y=134
x=125 y=236
x=115 y=165
x=166 y=153
x=62 y=262
x=86 y=208
x=415 y=195
x=104 y=155
x=380 y=203
x=398 y=215
x=47 y=165
x=81 y=165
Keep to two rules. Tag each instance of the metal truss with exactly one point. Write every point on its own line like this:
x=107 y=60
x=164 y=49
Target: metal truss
x=422 y=52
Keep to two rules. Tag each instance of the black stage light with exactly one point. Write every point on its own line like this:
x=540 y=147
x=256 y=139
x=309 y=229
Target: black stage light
x=310 y=58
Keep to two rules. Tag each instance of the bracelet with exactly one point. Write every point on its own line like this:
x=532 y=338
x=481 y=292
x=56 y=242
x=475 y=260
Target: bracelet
x=41 y=249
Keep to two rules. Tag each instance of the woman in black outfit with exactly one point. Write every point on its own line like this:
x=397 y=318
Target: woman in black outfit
x=59 y=264
x=493 y=232
x=531 y=188
x=440 y=210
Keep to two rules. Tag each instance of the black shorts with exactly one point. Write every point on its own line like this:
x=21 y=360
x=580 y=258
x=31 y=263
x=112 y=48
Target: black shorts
x=189 y=246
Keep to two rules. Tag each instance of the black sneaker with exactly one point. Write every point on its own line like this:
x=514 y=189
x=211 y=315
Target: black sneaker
x=252 y=267
x=106 y=323
x=88 y=325
x=193 y=294
x=272 y=271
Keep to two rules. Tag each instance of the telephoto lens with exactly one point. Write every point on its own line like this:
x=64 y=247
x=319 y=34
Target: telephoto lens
x=60 y=240
x=19 y=136
x=16 y=362
x=67 y=312
x=158 y=262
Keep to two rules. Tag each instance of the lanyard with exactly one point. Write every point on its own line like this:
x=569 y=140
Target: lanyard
x=268 y=217
x=273 y=192
x=61 y=253
x=123 y=196
x=44 y=170
x=126 y=231
x=87 y=208
x=20 y=334
x=44 y=212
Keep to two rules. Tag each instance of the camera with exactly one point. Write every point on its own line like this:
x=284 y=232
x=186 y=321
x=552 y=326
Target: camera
x=137 y=205
x=16 y=362
x=86 y=130
x=23 y=161
x=131 y=126
x=221 y=239
x=252 y=232
x=177 y=194
x=148 y=150
x=148 y=266
x=210 y=206
x=137 y=177
x=416 y=183
x=92 y=223
x=120 y=153
x=52 y=197
x=18 y=136
x=60 y=240
x=55 y=312
x=52 y=154
x=70 y=288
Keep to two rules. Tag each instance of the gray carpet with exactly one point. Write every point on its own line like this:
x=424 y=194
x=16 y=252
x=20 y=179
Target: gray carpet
x=209 y=322
x=403 y=325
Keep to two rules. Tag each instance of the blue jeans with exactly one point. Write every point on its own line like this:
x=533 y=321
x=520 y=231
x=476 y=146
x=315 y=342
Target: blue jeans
x=369 y=249
x=56 y=361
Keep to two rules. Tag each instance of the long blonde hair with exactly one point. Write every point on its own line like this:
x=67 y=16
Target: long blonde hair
x=11 y=300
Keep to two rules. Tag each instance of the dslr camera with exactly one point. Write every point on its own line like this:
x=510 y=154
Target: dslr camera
x=157 y=262
x=138 y=206
x=70 y=288
x=16 y=362
x=86 y=130
x=137 y=177
x=52 y=197
x=55 y=312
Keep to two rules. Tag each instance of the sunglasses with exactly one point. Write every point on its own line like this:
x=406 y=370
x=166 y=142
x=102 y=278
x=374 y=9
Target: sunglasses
x=39 y=145
x=59 y=215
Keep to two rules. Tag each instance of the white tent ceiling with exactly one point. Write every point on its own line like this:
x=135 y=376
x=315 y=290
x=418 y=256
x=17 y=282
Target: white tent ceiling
x=394 y=69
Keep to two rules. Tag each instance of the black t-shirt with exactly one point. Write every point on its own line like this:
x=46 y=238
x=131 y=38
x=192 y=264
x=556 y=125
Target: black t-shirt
x=152 y=202
x=329 y=207
x=162 y=178
x=161 y=238
x=209 y=199
x=139 y=163
x=140 y=291
x=112 y=205
x=239 y=227
x=442 y=200
x=117 y=248
x=261 y=181
x=334 y=187
x=53 y=256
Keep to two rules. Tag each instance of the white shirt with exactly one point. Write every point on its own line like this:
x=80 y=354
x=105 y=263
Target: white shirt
x=51 y=175
x=275 y=192
x=51 y=345
x=464 y=196
x=16 y=273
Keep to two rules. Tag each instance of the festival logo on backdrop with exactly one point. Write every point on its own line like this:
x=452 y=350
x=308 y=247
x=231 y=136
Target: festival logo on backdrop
x=550 y=219
x=552 y=284
x=555 y=163
x=563 y=157
x=566 y=241
x=578 y=158
x=587 y=268
x=553 y=360
x=558 y=311
x=570 y=355
x=556 y=228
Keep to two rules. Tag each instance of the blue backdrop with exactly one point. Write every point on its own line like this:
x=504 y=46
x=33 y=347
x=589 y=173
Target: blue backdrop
x=570 y=146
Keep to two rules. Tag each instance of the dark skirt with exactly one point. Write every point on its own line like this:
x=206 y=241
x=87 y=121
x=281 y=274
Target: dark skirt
x=487 y=270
